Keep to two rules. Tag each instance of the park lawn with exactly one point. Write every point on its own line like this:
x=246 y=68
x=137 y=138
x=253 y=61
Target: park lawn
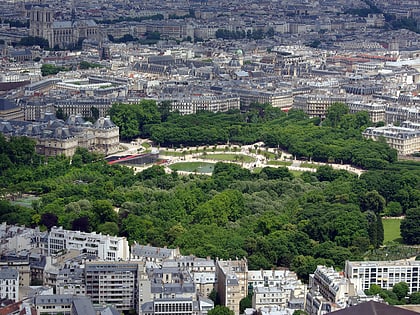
x=172 y=153
x=285 y=163
x=296 y=173
x=392 y=230
x=228 y=157
x=25 y=201
x=199 y=167
x=309 y=165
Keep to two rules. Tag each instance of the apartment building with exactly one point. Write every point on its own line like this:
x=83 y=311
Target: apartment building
x=405 y=140
x=332 y=285
x=63 y=304
x=383 y=273
x=275 y=288
x=316 y=105
x=9 y=284
x=280 y=99
x=212 y=103
x=396 y=114
x=376 y=111
x=104 y=247
x=202 y=270
x=328 y=291
x=232 y=282
x=113 y=283
x=153 y=254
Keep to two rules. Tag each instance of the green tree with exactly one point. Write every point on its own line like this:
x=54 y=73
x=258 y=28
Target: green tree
x=245 y=303
x=400 y=289
x=374 y=289
x=49 y=69
x=372 y=201
x=335 y=113
x=414 y=298
x=108 y=228
x=410 y=227
x=135 y=119
x=220 y=310
x=393 y=209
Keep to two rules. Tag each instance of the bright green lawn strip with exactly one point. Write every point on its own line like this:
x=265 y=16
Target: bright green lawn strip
x=309 y=165
x=171 y=153
x=296 y=173
x=228 y=157
x=392 y=230
x=285 y=163
x=190 y=166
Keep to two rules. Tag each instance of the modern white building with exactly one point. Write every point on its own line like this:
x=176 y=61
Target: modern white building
x=105 y=247
x=383 y=273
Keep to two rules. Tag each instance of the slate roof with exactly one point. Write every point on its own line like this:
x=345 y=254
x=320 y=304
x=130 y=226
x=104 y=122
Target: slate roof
x=8 y=273
x=373 y=308
x=104 y=123
x=6 y=104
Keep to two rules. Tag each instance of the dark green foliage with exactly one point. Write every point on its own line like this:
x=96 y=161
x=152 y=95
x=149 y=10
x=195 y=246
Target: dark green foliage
x=272 y=218
x=400 y=289
x=48 y=69
x=134 y=119
x=34 y=41
x=276 y=173
x=49 y=220
x=220 y=310
x=17 y=23
x=410 y=227
x=245 y=303
x=414 y=298
x=129 y=19
x=88 y=65
x=241 y=34
x=396 y=296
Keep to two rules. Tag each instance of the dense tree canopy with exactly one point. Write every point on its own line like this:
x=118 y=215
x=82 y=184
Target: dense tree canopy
x=272 y=217
x=410 y=226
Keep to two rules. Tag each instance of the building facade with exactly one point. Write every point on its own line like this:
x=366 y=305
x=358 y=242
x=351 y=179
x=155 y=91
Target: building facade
x=232 y=282
x=105 y=247
x=405 y=140
x=383 y=273
x=9 y=284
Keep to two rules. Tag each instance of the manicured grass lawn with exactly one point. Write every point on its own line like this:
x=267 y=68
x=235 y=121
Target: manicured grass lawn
x=228 y=157
x=199 y=167
x=171 y=153
x=285 y=163
x=25 y=201
x=309 y=165
x=392 y=230
x=296 y=173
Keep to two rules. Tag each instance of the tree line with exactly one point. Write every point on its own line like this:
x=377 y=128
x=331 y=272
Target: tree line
x=337 y=139
x=272 y=217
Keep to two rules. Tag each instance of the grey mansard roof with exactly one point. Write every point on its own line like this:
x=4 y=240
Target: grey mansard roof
x=8 y=274
x=104 y=123
x=6 y=104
